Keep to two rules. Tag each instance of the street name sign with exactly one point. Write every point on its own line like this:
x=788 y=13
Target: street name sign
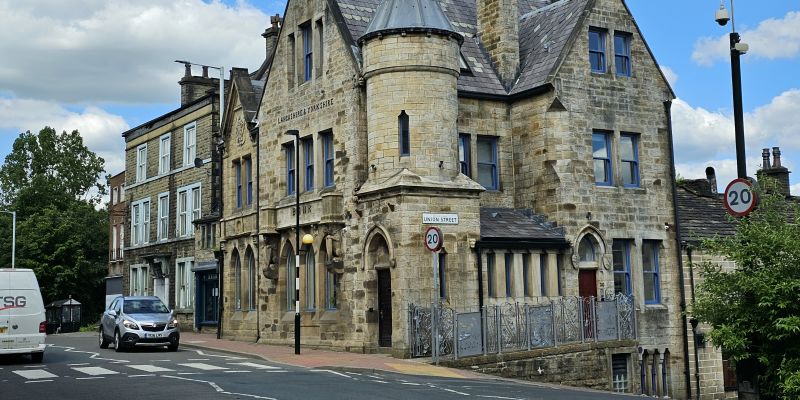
x=441 y=219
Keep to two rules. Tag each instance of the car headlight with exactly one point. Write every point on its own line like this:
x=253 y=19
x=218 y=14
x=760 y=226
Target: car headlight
x=130 y=324
x=172 y=324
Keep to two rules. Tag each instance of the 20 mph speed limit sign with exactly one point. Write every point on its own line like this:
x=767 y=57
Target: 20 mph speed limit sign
x=740 y=199
x=433 y=239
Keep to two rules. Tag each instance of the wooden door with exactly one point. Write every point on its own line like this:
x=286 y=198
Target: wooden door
x=587 y=289
x=384 y=308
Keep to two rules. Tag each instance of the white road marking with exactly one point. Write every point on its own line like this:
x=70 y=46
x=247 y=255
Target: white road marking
x=377 y=381
x=236 y=372
x=77 y=365
x=94 y=355
x=333 y=372
x=199 y=359
x=90 y=377
x=189 y=373
x=253 y=365
x=34 y=374
x=204 y=367
x=498 y=397
x=455 y=391
x=43 y=380
x=200 y=352
x=150 y=368
x=139 y=376
x=94 y=371
x=221 y=390
x=31 y=366
x=411 y=384
x=275 y=372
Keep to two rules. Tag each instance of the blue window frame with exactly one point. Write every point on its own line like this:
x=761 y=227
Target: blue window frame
x=308 y=58
x=464 y=156
x=509 y=273
x=621 y=255
x=487 y=162
x=490 y=274
x=526 y=274
x=290 y=177
x=597 y=50
x=327 y=156
x=404 y=134
x=629 y=159
x=308 y=162
x=237 y=166
x=650 y=272
x=601 y=154
x=248 y=169
x=543 y=273
x=622 y=53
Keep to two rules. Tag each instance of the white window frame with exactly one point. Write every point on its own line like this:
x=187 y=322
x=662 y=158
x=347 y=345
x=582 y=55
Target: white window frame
x=184 y=283
x=141 y=162
x=138 y=280
x=140 y=230
x=114 y=242
x=189 y=143
x=185 y=228
x=163 y=217
x=164 y=153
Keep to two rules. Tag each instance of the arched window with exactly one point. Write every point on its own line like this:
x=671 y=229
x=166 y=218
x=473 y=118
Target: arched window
x=251 y=274
x=237 y=274
x=403 y=130
x=290 y=274
x=586 y=249
x=311 y=278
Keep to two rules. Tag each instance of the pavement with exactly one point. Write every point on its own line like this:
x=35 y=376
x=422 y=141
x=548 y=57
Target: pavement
x=324 y=359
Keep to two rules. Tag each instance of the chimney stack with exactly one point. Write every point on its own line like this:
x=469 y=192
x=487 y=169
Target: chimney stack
x=195 y=87
x=270 y=34
x=776 y=171
x=498 y=28
x=711 y=177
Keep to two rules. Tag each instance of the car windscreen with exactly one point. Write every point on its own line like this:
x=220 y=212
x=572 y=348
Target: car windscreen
x=144 y=307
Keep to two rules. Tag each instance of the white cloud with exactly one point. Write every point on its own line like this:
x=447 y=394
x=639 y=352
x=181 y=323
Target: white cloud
x=772 y=39
x=100 y=130
x=795 y=189
x=671 y=76
x=121 y=51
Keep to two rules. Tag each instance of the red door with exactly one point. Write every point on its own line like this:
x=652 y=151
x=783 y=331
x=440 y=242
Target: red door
x=587 y=289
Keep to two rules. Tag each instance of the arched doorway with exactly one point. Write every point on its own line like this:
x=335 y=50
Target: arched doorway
x=378 y=257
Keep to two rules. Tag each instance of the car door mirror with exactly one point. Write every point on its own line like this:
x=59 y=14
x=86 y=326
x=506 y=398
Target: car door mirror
x=112 y=313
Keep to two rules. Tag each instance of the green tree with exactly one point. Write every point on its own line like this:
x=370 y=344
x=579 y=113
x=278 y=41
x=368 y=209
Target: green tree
x=52 y=181
x=754 y=310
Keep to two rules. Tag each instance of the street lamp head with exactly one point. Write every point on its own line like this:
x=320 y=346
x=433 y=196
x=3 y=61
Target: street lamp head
x=721 y=16
x=308 y=239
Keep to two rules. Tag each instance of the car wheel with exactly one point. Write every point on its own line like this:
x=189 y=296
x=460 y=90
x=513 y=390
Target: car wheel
x=117 y=342
x=103 y=340
x=173 y=346
x=37 y=357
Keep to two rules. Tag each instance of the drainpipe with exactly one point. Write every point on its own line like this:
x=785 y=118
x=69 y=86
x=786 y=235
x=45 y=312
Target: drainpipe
x=480 y=291
x=684 y=322
x=694 y=324
x=258 y=241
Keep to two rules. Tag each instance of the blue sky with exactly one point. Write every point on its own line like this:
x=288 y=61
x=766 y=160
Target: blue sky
x=104 y=66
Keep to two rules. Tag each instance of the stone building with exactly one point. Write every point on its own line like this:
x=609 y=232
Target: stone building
x=703 y=216
x=169 y=247
x=117 y=208
x=534 y=134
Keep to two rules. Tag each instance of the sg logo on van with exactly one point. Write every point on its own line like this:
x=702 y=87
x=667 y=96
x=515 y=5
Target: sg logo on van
x=13 y=302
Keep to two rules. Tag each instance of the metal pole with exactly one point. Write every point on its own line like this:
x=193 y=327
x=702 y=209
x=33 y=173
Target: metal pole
x=738 y=114
x=221 y=95
x=297 y=245
x=13 y=239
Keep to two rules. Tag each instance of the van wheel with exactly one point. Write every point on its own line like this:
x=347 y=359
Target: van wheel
x=117 y=342
x=37 y=357
x=103 y=341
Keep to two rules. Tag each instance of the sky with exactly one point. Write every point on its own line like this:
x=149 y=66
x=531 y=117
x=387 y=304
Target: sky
x=105 y=66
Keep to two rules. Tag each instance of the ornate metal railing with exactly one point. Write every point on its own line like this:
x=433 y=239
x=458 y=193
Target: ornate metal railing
x=439 y=331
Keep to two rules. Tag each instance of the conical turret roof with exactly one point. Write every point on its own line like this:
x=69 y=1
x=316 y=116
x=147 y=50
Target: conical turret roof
x=394 y=16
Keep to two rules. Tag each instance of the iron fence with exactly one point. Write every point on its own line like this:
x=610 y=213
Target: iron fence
x=438 y=331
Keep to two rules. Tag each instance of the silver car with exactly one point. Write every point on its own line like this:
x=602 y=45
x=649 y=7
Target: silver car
x=138 y=321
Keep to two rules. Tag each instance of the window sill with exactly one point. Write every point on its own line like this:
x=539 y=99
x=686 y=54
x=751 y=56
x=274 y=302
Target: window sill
x=655 y=307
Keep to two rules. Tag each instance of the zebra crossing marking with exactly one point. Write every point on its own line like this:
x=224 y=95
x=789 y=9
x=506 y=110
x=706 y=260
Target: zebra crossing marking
x=94 y=371
x=34 y=374
x=150 y=368
x=253 y=365
x=203 y=366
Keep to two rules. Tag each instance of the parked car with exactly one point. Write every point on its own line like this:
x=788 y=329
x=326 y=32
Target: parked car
x=138 y=321
x=22 y=319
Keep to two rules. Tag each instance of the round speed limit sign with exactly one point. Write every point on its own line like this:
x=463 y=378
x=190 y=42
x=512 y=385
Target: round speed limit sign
x=740 y=199
x=433 y=239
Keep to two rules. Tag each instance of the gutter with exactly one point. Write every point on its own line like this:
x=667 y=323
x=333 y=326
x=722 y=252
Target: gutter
x=684 y=322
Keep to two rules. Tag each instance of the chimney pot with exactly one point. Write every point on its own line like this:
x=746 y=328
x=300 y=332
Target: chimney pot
x=187 y=70
x=765 y=158
x=205 y=72
x=776 y=155
x=711 y=177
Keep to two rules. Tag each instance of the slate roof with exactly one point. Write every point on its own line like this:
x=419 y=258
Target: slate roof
x=518 y=224
x=249 y=92
x=701 y=214
x=540 y=23
x=407 y=14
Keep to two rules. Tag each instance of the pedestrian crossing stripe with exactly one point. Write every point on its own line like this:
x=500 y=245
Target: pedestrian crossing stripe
x=254 y=365
x=203 y=367
x=33 y=374
x=94 y=371
x=150 y=368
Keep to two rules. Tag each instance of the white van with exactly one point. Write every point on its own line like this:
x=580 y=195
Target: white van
x=22 y=318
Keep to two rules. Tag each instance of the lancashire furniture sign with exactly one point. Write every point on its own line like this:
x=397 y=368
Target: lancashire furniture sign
x=305 y=111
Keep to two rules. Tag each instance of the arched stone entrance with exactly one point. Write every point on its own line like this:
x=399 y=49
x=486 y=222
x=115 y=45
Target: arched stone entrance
x=379 y=257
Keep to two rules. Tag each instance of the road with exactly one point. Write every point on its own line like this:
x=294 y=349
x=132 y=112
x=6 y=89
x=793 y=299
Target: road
x=75 y=368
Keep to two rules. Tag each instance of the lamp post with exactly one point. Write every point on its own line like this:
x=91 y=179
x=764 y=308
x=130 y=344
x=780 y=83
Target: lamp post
x=13 y=236
x=737 y=49
x=307 y=238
